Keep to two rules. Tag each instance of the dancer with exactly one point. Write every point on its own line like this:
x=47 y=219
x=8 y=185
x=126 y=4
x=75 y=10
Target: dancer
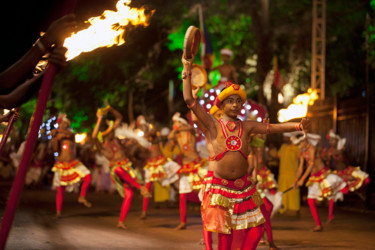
x=68 y=170
x=232 y=203
x=321 y=183
x=227 y=71
x=121 y=169
x=354 y=177
x=193 y=167
x=266 y=184
x=158 y=168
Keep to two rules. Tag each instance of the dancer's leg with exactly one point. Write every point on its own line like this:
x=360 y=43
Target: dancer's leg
x=183 y=207
x=59 y=199
x=315 y=214
x=207 y=236
x=224 y=241
x=330 y=209
x=125 y=177
x=266 y=209
x=128 y=195
x=145 y=201
x=85 y=187
x=253 y=236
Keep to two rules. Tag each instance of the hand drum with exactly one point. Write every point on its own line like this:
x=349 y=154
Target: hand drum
x=191 y=42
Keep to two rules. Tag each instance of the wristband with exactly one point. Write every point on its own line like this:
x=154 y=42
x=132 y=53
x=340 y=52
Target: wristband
x=192 y=105
x=267 y=128
x=298 y=127
x=185 y=74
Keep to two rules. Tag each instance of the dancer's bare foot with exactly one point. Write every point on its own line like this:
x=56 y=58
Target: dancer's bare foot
x=361 y=195
x=317 y=229
x=330 y=221
x=273 y=246
x=121 y=225
x=83 y=200
x=263 y=241
x=181 y=226
x=143 y=216
x=145 y=193
x=58 y=215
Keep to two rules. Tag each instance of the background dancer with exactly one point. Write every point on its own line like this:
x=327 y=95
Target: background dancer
x=335 y=157
x=227 y=71
x=68 y=170
x=321 y=183
x=121 y=169
x=265 y=183
x=193 y=167
x=158 y=168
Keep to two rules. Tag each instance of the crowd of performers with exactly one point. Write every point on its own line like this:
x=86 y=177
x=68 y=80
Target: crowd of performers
x=235 y=186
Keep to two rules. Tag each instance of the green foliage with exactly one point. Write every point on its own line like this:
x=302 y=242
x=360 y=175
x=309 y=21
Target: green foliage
x=151 y=56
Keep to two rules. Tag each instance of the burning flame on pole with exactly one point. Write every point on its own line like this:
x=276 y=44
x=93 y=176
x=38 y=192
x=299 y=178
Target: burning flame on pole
x=106 y=30
x=298 y=108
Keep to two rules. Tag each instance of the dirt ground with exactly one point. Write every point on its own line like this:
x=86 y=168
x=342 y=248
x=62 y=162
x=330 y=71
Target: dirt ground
x=35 y=227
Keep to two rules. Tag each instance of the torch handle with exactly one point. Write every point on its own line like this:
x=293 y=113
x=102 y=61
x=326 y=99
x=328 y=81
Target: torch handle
x=7 y=131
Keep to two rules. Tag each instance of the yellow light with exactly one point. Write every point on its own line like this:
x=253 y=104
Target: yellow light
x=299 y=107
x=106 y=30
x=80 y=138
x=140 y=133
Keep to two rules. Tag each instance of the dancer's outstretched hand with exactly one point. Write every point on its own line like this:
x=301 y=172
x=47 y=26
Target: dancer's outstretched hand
x=305 y=124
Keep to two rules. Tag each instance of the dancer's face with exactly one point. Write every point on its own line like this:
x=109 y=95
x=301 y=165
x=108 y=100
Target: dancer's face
x=232 y=105
x=333 y=141
x=63 y=125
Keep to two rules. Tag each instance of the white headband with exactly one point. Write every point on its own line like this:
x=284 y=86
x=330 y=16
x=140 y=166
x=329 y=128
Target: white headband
x=226 y=52
x=340 y=141
x=312 y=139
x=176 y=118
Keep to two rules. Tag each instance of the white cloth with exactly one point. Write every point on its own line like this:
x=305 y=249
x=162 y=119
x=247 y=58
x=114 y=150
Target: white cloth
x=336 y=183
x=170 y=168
x=33 y=175
x=184 y=185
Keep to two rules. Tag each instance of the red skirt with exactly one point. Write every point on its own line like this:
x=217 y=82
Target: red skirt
x=231 y=204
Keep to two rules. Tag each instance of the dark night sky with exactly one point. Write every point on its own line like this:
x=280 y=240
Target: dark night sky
x=22 y=21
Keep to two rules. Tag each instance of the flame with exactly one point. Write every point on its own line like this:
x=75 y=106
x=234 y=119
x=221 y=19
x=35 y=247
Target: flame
x=299 y=106
x=80 y=138
x=106 y=30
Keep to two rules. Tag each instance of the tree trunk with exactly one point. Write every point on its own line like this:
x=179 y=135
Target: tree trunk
x=260 y=24
x=130 y=106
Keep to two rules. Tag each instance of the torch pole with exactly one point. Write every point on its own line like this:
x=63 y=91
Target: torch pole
x=7 y=131
x=19 y=180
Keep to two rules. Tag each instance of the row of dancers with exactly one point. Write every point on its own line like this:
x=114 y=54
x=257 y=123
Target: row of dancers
x=238 y=193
